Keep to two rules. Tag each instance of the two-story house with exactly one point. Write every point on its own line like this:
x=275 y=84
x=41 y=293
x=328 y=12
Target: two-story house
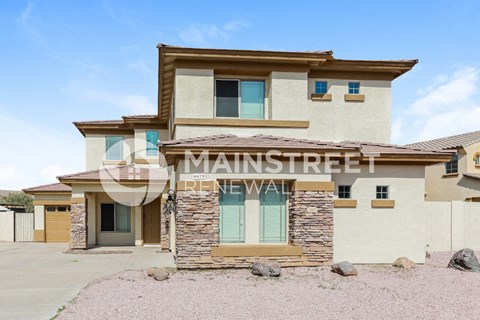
x=458 y=179
x=283 y=155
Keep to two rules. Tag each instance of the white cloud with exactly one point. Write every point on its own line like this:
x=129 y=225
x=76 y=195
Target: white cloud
x=450 y=105
x=204 y=34
x=130 y=103
x=26 y=13
x=34 y=153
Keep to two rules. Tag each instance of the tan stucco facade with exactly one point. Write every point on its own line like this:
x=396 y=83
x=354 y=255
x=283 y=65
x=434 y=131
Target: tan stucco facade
x=447 y=187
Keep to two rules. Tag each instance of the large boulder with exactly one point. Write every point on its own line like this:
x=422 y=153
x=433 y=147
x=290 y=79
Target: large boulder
x=265 y=268
x=344 y=268
x=404 y=263
x=160 y=274
x=465 y=260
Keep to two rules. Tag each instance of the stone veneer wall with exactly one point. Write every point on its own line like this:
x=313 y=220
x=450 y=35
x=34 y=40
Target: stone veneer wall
x=310 y=226
x=78 y=229
x=164 y=229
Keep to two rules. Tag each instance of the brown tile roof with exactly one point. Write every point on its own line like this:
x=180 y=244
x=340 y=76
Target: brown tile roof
x=127 y=173
x=126 y=124
x=459 y=140
x=472 y=175
x=272 y=142
x=53 y=187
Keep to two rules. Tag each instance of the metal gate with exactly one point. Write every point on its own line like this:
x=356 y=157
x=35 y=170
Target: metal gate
x=24 y=226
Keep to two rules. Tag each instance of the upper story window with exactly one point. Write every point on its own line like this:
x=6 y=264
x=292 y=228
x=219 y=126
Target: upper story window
x=452 y=166
x=114 y=148
x=354 y=88
x=477 y=159
x=240 y=99
x=320 y=87
x=152 y=140
x=382 y=192
x=344 y=192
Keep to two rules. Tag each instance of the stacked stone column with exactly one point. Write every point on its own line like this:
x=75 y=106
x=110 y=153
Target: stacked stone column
x=78 y=228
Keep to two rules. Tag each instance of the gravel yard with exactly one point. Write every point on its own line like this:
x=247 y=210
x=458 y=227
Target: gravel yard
x=379 y=292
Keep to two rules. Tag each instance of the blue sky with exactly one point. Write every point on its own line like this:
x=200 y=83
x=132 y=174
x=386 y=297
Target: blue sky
x=63 y=61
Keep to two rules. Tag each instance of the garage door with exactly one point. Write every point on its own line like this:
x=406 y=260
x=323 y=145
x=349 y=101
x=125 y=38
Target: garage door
x=57 y=224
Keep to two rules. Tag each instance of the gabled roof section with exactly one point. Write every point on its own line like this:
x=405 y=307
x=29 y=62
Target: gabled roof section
x=233 y=60
x=49 y=188
x=264 y=143
x=126 y=125
x=453 y=142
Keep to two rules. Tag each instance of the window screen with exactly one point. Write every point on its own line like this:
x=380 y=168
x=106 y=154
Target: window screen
x=114 y=148
x=122 y=221
x=273 y=214
x=226 y=92
x=152 y=140
x=232 y=214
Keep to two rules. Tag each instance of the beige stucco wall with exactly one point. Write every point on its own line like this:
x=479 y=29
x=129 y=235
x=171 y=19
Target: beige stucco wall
x=7 y=227
x=39 y=209
x=288 y=98
x=359 y=121
x=452 y=225
x=441 y=187
x=95 y=150
x=373 y=235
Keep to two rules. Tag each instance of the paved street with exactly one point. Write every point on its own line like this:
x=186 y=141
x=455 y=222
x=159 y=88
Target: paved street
x=36 y=279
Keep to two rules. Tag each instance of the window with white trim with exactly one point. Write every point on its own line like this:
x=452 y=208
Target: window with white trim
x=382 y=192
x=354 y=88
x=240 y=98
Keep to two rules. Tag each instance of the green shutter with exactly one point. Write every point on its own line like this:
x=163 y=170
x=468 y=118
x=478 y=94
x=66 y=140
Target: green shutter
x=232 y=214
x=253 y=97
x=273 y=214
x=152 y=140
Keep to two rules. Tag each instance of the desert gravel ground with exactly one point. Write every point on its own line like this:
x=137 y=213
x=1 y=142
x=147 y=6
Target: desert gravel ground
x=379 y=292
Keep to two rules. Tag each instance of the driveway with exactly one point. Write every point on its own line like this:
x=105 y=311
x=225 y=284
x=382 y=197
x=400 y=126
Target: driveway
x=36 y=279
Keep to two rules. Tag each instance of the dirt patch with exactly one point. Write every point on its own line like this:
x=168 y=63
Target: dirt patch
x=430 y=291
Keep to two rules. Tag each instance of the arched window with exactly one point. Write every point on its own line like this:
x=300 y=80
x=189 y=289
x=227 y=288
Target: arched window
x=476 y=158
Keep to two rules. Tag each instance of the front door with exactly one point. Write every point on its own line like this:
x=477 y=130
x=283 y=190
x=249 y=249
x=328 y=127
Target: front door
x=151 y=222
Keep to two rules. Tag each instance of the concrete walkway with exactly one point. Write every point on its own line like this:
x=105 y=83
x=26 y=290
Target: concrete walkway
x=37 y=279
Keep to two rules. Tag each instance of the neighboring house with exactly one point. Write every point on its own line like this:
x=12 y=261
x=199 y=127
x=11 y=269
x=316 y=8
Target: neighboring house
x=237 y=105
x=458 y=179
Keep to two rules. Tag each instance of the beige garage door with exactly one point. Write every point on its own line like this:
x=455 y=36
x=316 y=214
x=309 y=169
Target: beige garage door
x=57 y=224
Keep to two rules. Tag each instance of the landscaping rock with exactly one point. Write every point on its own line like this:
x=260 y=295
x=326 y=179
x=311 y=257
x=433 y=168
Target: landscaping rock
x=465 y=260
x=345 y=269
x=266 y=269
x=150 y=271
x=404 y=263
x=160 y=274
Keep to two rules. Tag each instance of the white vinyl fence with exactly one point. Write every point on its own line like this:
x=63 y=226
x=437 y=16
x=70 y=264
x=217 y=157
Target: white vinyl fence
x=7 y=220
x=24 y=226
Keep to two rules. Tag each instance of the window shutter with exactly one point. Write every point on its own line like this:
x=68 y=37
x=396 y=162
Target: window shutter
x=232 y=215
x=273 y=214
x=253 y=97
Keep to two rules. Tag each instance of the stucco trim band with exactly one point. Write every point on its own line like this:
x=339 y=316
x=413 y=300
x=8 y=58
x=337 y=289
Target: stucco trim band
x=256 y=251
x=383 y=203
x=313 y=186
x=321 y=97
x=344 y=203
x=78 y=200
x=243 y=123
x=355 y=97
x=51 y=202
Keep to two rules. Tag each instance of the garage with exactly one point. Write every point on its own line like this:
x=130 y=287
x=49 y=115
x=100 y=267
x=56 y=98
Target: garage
x=57 y=223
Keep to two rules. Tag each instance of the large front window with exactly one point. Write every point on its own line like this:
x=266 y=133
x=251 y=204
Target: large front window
x=240 y=99
x=273 y=214
x=232 y=214
x=115 y=217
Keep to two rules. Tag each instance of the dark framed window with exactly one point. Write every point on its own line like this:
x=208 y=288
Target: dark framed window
x=452 y=166
x=344 y=192
x=321 y=87
x=382 y=192
x=353 y=87
x=115 y=217
x=107 y=211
